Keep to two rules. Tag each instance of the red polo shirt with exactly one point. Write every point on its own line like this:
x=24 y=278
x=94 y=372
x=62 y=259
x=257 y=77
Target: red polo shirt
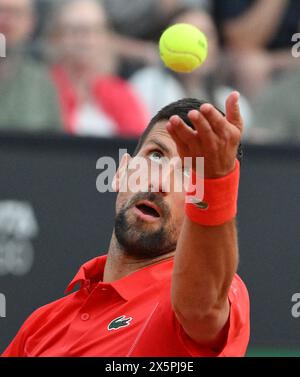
x=132 y=316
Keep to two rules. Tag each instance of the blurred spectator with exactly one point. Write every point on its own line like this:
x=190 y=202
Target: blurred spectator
x=27 y=97
x=93 y=100
x=276 y=111
x=144 y=19
x=258 y=33
x=139 y=24
x=159 y=86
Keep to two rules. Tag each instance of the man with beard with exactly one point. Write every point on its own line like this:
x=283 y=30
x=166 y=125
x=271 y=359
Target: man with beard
x=168 y=284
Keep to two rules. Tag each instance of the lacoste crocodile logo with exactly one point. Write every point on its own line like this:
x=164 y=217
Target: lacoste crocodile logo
x=121 y=321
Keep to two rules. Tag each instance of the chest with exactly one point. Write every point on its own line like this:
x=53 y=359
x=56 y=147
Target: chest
x=104 y=324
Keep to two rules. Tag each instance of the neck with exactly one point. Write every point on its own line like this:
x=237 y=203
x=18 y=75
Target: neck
x=119 y=265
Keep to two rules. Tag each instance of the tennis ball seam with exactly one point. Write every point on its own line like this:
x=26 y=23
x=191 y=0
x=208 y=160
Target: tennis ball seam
x=183 y=53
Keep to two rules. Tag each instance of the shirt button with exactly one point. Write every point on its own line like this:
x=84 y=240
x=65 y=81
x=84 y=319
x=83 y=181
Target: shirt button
x=85 y=316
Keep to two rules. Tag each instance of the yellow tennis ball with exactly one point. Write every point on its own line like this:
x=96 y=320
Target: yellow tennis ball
x=183 y=47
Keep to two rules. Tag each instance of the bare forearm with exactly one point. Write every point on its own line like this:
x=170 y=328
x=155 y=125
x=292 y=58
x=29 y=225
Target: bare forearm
x=255 y=28
x=206 y=259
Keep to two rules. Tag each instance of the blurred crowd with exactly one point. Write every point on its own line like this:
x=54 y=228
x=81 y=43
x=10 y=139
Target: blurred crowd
x=92 y=67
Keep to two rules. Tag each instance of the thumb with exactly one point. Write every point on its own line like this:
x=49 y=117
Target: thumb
x=233 y=113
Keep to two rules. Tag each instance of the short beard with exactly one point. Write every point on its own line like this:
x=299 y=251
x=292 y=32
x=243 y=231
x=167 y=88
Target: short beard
x=145 y=244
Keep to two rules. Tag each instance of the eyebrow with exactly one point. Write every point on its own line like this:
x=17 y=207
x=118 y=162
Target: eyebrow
x=160 y=145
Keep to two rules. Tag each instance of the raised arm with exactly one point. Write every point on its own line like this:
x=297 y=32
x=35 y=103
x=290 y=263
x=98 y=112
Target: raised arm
x=206 y=257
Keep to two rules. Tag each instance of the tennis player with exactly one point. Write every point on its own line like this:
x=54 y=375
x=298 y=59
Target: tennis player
x=168 y=284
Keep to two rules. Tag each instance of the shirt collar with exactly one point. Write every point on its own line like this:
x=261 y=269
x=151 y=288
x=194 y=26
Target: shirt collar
x=129 y=286
x=92 y=269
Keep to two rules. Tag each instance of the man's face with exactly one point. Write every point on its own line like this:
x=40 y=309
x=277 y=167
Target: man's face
x=148 y=223
x=16 y=20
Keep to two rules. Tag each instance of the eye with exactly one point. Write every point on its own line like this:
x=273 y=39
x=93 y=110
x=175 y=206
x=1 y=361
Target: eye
x=156 y=156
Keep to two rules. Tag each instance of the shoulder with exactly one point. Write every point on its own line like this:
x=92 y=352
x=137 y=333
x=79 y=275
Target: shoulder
x=32 y=324
x=37 y=79
x=35 y=69
x=42 y=313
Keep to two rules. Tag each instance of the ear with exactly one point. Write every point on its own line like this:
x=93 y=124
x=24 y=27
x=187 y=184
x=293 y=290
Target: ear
x=121 y=172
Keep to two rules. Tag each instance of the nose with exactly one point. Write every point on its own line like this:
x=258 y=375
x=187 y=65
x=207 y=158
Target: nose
x=147 y=177
x=160 y=180
x=158 y=188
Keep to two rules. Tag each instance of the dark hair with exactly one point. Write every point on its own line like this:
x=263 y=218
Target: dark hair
x=180 y=108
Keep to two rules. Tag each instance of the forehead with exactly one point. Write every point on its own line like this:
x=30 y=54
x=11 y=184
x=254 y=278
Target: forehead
x=160 y=135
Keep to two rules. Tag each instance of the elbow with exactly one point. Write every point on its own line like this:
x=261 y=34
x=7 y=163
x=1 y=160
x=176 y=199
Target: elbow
x=196 y=310
x=195 y=316
x=206 y=327
x=203 y=327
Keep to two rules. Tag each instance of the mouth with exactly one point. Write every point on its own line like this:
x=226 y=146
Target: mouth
x=147 y=211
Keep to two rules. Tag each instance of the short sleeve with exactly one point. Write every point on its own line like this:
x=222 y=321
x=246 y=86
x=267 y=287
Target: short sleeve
x=163 y=335
x=17 y=347
x=239 y=326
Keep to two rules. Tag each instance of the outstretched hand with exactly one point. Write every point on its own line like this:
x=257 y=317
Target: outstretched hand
x=215 y=137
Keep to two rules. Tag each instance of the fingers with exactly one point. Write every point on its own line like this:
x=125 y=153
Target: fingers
x=200 y=123
x=180 y=130
x=172 y=133
x=205 y=132
x=209 y=123
x=182 y=147
x=215 y=119
x=233 y=114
